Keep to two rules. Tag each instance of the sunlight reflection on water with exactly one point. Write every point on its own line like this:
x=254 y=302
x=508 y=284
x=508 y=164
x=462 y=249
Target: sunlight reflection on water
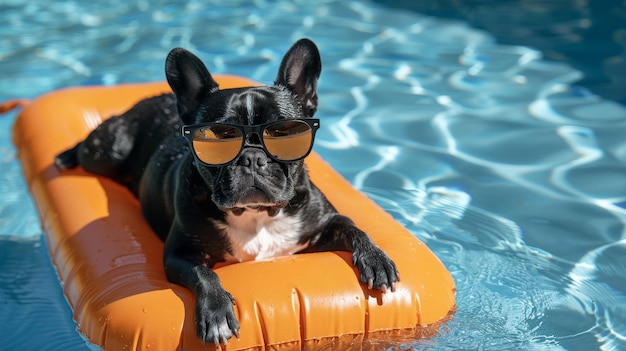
x=511 y=174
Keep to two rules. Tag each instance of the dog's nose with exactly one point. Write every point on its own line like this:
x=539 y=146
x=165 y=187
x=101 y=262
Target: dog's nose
x=253 y=157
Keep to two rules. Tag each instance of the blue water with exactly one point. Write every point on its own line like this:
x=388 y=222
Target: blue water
x=498 y=158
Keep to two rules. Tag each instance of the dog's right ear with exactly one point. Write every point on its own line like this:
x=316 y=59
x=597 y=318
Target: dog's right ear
x=299 y=71
x=189 y=79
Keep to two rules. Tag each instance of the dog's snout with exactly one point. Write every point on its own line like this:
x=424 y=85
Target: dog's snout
x=253 y=139
x=253 y=157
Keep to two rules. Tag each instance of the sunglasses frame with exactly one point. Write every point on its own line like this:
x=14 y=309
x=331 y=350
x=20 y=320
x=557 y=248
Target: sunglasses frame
x=189 y=129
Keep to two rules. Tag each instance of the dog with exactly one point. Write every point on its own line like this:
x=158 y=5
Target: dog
x=220 y=178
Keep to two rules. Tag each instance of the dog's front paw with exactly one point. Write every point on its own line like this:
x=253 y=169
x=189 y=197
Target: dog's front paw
x=215 y=318
x=376 y=269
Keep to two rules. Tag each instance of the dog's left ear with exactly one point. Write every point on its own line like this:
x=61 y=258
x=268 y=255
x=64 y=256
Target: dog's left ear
x=299 y=72
x=189 y=79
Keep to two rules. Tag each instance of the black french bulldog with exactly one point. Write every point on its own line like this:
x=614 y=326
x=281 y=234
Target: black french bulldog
x=233 y=187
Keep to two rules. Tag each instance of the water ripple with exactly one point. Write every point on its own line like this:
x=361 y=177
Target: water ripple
x=510 y=172
x=597 y=280
x=32 y=299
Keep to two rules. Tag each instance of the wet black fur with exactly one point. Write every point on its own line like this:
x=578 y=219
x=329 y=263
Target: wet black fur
x=183 y=200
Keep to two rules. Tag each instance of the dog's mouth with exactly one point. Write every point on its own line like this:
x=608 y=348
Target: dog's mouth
x=272 y=210
x=256 y=200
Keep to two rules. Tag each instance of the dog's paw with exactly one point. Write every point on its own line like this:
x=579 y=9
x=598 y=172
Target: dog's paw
x=66 y=160
x=215 y=318
x=376 y=269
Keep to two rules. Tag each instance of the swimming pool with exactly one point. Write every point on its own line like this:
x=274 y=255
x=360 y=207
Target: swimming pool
x=512 y=174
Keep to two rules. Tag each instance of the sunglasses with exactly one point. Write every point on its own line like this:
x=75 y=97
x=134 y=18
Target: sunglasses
x=217 y=144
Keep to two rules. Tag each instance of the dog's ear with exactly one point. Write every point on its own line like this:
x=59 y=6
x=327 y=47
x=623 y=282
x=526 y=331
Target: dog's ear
x=299 y=72
x=189 y=79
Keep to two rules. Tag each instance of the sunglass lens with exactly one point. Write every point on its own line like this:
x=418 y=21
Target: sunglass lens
x=217 y=144
x=288 y=140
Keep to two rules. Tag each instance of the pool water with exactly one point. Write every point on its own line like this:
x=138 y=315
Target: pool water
x=494 y=156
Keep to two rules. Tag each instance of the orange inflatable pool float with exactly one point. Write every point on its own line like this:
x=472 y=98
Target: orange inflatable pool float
x=110 y=262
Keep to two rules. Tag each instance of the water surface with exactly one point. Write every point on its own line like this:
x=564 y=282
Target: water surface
x=512 y=172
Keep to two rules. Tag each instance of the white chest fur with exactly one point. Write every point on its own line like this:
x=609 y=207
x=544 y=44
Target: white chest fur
x=254 y=235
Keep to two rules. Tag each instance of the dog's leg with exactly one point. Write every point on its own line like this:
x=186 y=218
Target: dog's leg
x=104 y=151
x=68 y=159
x=215 y=316
x=376 y=269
